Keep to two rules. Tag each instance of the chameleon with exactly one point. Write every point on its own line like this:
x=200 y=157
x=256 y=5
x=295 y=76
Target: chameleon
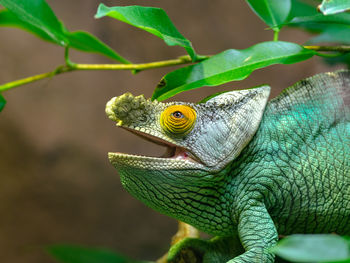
x=238 y=165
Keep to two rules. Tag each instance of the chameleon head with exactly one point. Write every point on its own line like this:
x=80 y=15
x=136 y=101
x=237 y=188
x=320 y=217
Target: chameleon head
x=202 y=139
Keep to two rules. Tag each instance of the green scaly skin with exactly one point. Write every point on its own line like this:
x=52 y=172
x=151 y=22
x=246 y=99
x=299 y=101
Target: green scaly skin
x=245 y=168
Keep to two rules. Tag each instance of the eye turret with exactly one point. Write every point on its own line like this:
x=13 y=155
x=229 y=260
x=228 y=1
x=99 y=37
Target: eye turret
x=178 y=119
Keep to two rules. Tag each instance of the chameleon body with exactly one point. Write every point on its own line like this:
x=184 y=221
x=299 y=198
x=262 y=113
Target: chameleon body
x=240 y=164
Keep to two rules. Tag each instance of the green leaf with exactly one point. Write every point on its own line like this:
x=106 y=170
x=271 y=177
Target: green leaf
x=78 y=254
x=334 y=34
x=8 y=18
x=319 y=22
x=86 y=42
x=151 y=19
x=273 y=12
x=300 y=8
x=343 y=59
x=313 y=248
x=230 y=65
x=332 y=28
x=80 y=40
x=329 y=7
x=38 y=14
x=2 y=102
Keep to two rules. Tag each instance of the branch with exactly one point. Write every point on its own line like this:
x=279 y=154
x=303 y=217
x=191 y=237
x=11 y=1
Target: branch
x=143 y=66
x=73 y=67
x=341 y=49
x=136 y=67
x=20 y=82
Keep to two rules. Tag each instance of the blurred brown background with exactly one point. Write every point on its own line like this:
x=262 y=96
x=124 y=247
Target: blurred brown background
x=56 y=183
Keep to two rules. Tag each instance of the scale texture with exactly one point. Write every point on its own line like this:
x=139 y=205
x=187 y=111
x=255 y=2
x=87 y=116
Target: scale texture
x=247 y=167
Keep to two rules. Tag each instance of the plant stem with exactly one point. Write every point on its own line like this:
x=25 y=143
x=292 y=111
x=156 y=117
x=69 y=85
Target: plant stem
x=20 y=82
x=143 y=66
x=70 y=66
x=342 y=49
x=69 y=63
x=275 y=34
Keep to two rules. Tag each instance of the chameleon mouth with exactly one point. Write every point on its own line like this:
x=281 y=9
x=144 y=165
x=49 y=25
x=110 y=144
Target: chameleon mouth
x=179 y=154
x=173 y=151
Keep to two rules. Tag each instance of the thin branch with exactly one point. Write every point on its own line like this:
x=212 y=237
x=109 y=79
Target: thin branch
x=70 y=66
x=143 y=66
x=342 y=49
x=20 y=82
x=73 y=67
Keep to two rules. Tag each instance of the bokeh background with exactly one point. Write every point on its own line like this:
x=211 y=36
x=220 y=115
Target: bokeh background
x=56 y=185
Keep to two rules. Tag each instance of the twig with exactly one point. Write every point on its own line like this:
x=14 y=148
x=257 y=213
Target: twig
x=20 y=82
x=73 y=67
x=70 y=66
x=342 y=49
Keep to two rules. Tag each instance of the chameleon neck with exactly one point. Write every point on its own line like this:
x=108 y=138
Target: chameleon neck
x=203 y=205
x=294 y=166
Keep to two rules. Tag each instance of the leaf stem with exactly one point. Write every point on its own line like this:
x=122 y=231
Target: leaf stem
x=275 y=34
x=69 y=63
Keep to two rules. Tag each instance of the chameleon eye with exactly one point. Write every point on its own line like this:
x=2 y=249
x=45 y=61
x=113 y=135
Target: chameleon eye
x=178 y=119
x=178 y=115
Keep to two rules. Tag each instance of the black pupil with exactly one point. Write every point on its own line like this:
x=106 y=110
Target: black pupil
x=178 y=115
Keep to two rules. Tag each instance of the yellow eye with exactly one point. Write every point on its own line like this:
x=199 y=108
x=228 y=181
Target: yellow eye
x=178 y=119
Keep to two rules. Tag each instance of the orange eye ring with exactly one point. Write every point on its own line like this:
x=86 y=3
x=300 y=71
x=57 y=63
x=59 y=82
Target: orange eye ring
x=178 y=119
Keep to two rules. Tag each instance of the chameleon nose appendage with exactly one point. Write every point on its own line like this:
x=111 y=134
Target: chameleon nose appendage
x=127 y=109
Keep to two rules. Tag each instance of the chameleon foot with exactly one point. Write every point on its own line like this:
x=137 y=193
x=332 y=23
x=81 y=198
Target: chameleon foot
x=184 y=231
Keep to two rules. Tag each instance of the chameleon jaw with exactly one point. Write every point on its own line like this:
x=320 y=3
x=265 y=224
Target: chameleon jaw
x=173 y=154
x=126 y=161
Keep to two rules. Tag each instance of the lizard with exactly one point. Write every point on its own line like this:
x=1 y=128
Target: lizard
x=240 y=165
